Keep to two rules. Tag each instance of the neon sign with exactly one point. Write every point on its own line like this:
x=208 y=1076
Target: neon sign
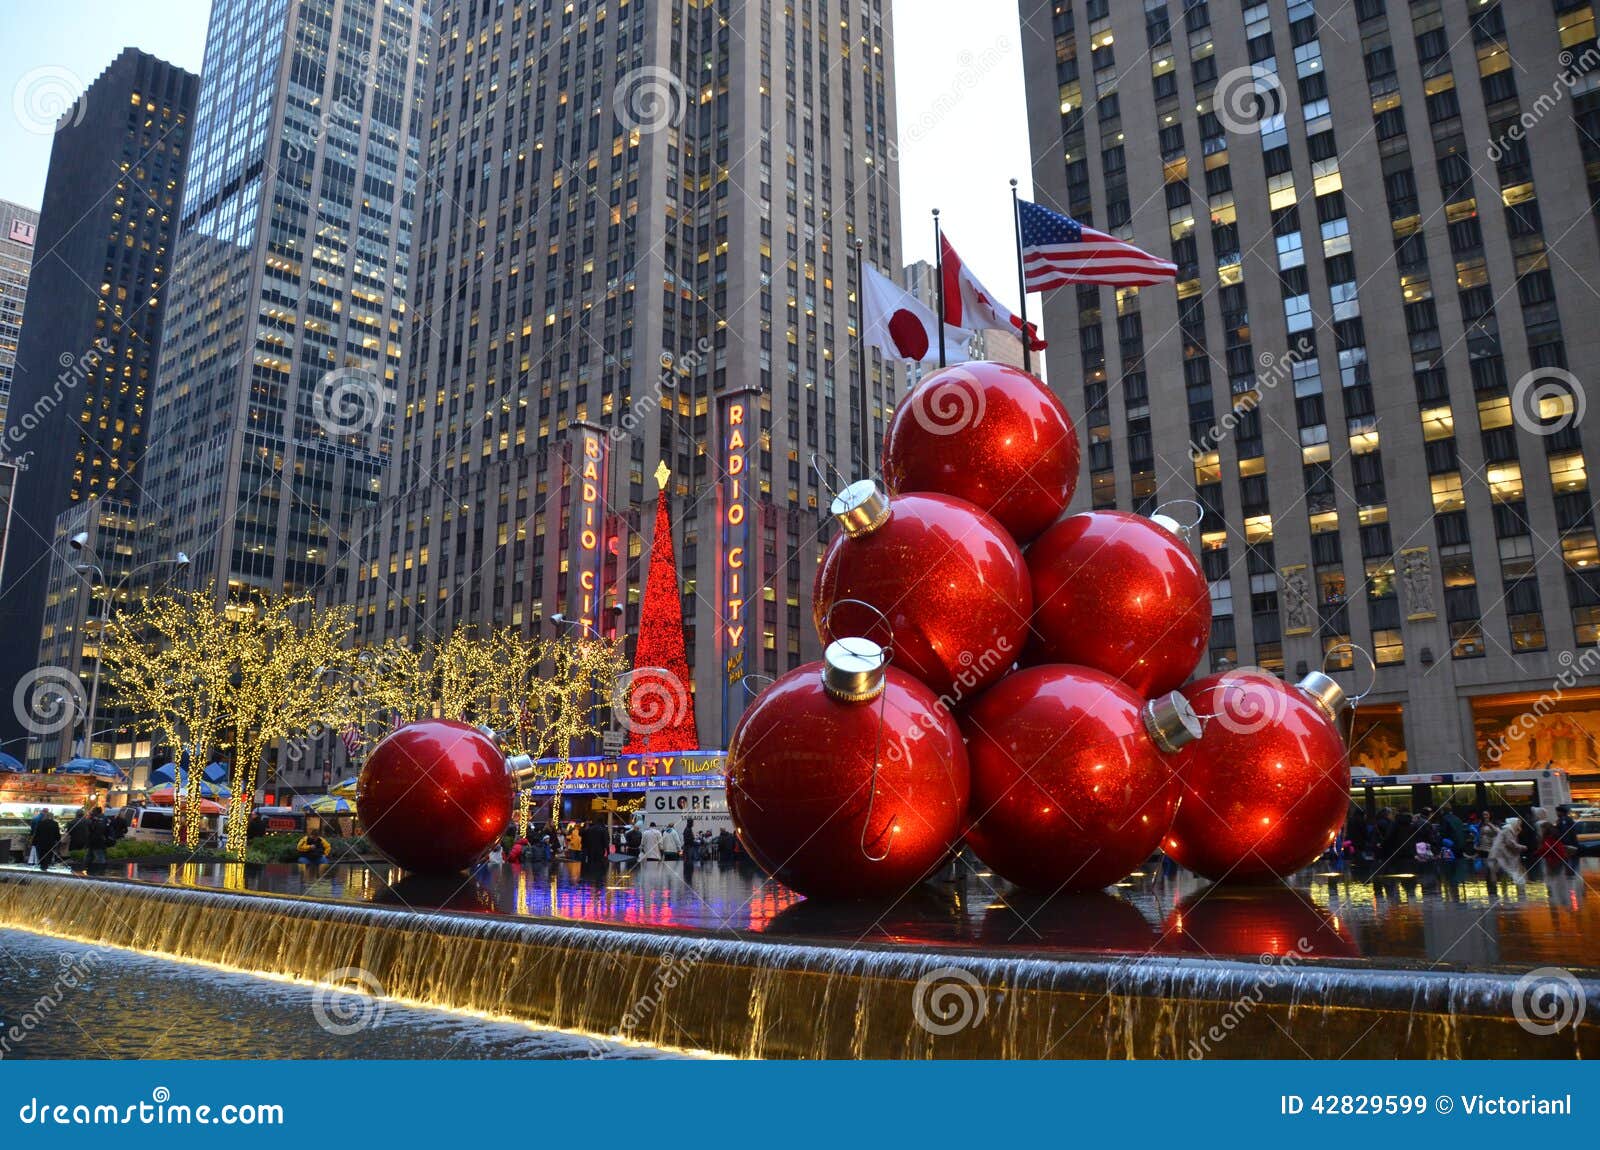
x=588 y=518
x=738 y=574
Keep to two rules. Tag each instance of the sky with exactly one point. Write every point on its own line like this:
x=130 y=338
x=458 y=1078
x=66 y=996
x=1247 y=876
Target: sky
x=963 y=127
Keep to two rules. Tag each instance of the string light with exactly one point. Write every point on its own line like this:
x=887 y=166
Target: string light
x=661 y=645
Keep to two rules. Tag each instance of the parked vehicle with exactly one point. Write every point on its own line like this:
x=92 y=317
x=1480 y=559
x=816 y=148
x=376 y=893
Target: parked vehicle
x=154 y=825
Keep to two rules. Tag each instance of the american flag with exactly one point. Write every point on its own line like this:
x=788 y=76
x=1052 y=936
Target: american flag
x=1058 y=250
x=351 y=738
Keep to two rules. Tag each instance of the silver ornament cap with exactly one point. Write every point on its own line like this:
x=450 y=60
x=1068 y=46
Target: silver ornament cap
x=520 y=767
x=1326 y=693
x=1171 y=722
x=861 y=508
x=854 y=669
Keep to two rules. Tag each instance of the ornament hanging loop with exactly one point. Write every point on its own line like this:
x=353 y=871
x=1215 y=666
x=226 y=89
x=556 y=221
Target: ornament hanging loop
x=828 y=636
x=1184 y=531
x=756 y=691
x=1372 y=667
x=833 y=480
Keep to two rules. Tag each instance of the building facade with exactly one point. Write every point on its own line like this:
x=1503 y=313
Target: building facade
x=635 y=248
x=1370 y=374
x=80 y=398
x=274 y=403
x=19 y=227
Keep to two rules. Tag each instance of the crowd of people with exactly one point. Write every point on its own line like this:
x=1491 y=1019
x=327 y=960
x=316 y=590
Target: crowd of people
x=594 y=844
x=90 y=830
x=1508 y=847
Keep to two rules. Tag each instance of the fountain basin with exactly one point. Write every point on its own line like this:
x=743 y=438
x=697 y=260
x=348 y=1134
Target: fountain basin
x=724 y=994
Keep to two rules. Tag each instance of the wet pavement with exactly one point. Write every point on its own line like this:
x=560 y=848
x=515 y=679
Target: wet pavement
x=1448 y=916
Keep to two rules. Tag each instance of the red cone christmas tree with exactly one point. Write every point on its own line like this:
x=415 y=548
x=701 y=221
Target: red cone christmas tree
x=660 y=704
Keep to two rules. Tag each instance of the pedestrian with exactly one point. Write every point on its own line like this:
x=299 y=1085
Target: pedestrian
x=650 y=844
x=497 y=854
x=632 y=839
x=100 y=836
x=671 y=843
x=1505 y=856
x=1567 y=831
x=596 y=843
x=312 y=848
x=46 y=837
x=727 y=845
x=691 y=845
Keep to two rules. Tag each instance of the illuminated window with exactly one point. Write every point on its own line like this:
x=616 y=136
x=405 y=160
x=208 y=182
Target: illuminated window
x=1388 y=648
x=1447 y=495
x=1494 y=413
x=1258 y=528
x=1580 y=552
x=1505 y=482
x=1438 y=423
x=1567 y=472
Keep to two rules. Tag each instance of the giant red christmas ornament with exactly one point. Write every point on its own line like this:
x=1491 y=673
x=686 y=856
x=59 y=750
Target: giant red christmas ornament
x=1072 y=783
x=846 y=778
x=992 y=435
x=947 y=578
x=1268 y=788
x=433 y=795
x=1120 y=593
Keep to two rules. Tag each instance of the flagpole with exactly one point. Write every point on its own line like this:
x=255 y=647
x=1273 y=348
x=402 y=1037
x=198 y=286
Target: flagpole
x=938 y=281
x=1022 y=277
x=863 y=423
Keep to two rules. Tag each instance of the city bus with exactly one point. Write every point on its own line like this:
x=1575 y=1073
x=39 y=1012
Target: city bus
x=1500 y=792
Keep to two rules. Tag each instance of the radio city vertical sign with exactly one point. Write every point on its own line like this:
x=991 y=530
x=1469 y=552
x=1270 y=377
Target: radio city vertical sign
x=585 y=554
x=738 y=574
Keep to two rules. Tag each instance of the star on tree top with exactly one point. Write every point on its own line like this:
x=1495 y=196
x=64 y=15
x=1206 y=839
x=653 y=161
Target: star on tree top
x=663 y=473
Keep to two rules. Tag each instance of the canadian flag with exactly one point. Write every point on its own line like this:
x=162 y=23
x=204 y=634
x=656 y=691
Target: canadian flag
x=902 y=327
x=967 y=303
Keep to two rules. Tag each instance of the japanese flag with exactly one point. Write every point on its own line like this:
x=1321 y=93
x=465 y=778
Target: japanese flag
x=902 y=327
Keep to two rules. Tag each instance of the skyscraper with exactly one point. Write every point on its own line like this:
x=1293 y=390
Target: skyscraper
x=274 y=402
x=18 y=228
x=636 y=246
x=86 y=357
x=1384 y=220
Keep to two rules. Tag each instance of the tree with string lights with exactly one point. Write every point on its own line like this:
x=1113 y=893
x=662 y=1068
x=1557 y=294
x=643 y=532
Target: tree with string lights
x=660 y=705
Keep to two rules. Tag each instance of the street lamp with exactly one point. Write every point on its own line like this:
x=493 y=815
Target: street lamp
x=80 y=543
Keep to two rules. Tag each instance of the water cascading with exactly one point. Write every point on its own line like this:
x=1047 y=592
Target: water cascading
x=727 y=995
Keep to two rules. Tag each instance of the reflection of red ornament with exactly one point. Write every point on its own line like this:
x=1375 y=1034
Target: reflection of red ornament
x=947 y=576
x=1122 y=594
x=1257 y=921
x=434 y=794
x=1268 y=788
x=992 y=435
x=803 y=792
x=1071 y=776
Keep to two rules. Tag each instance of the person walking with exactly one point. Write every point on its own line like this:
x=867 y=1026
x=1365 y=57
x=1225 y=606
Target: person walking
x=100 y=836
x=46 y=837
x=671 y=843
x=596 y=842
x=650 y=844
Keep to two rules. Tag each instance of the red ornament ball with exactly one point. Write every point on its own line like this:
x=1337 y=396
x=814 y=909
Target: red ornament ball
x=1122 y=594
x=809 y=806
x=948 y=578
x=1268 y=787
x=434 y=794
x=1070 y=791
x=992 y=435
